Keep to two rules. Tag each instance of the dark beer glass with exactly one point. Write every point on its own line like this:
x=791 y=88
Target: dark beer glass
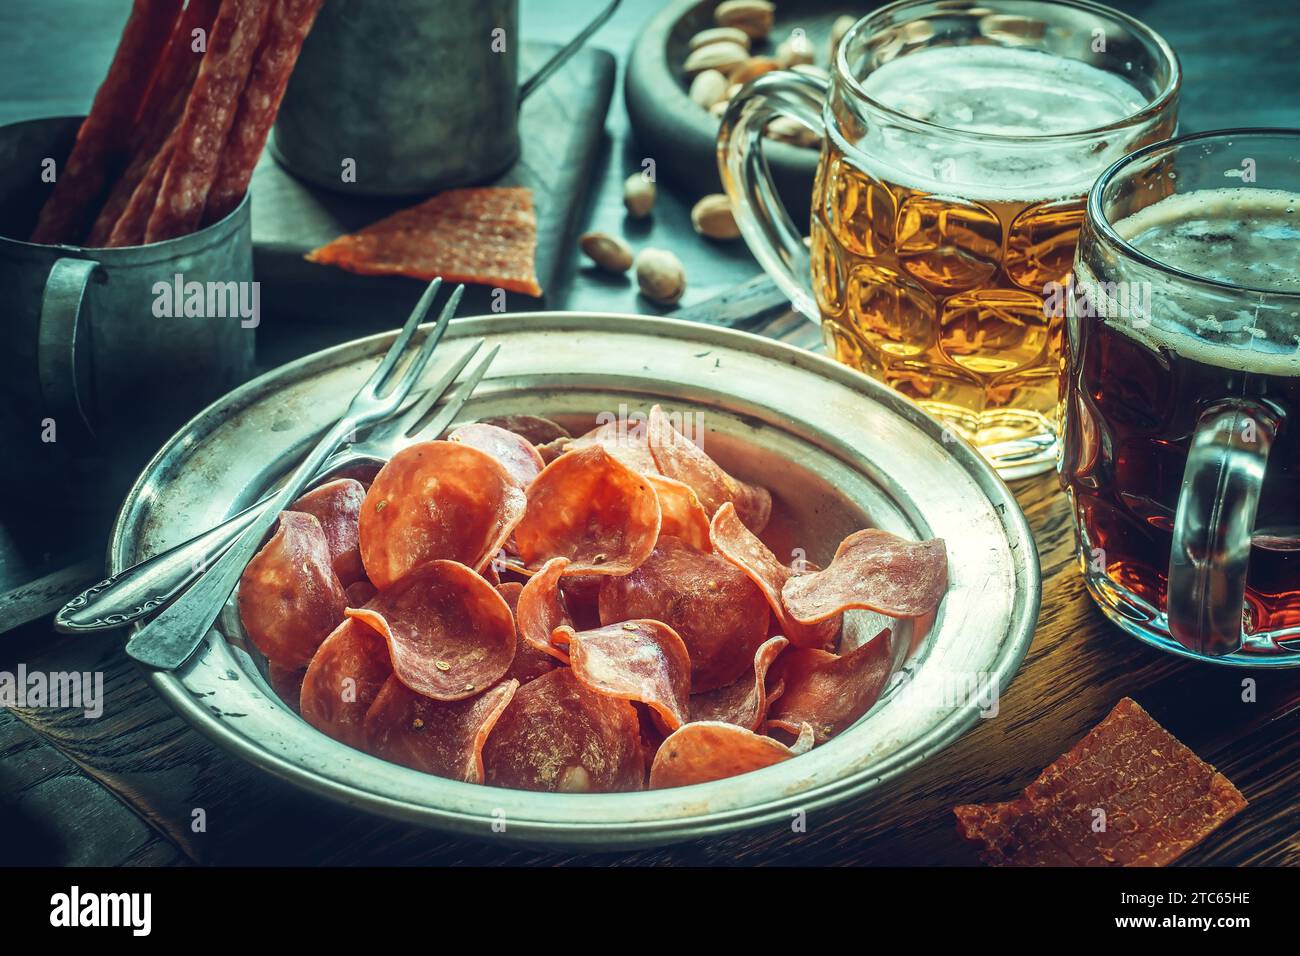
x=1181 y=444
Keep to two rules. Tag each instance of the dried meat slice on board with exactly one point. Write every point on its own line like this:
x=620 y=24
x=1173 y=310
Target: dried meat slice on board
x=700 y=752
x=514 y=452
x=735 y=542
x=542 y=608
x=745 y=701
x=1156 y=797
x=444 y=738
x=559 y=736
x=337 y=506
x=529 y=663
x=827 y=691
x=874 y=570
x=436 y=500
x=715 y=608
x=209 y=113
x=287 y=27
x=589 y=507
x=677 y=457
x=450 y=634
x=102 y=139
x=289 y=596
x=343 y=680
x=483 y=235
x=642 y=661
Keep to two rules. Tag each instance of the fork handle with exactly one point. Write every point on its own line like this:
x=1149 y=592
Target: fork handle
x=141 y=589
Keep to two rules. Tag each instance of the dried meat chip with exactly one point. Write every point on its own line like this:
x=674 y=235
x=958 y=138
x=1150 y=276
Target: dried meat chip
x=542 y=608
x=286 y=682
x=532 y=428
x=514 y=452
x=642 y=661
x=529 y=663
x=677 y=457
x=561 y=737
x=700 y=752
x=715 y=608
x=1156 y=797
x=735 y=542
x=483 y=235
x=827 y=691
x=875 y=570
x=436 y=500
x=450 y=633
x=359 y=593
x=626 y=442
x=343 y=680
x=745 y=701
x=289 y=596
x=589 y=507
x=337 y=506
x=444 y=738
x=681 y=514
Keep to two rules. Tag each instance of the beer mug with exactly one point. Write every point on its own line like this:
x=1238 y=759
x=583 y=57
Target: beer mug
x=1182 y=428
x=960 y=139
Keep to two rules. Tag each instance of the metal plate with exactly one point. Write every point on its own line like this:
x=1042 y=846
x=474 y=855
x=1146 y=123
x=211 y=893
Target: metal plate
x=838 y=451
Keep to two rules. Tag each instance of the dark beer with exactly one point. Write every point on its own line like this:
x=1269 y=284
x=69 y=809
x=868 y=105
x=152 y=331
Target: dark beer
x=1148 y=353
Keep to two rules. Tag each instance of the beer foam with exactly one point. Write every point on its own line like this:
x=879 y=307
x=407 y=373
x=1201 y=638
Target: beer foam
x=996 y=91
x=1238 y=235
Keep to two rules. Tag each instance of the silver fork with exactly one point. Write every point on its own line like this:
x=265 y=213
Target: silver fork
x=169 y=639
x=137 y=591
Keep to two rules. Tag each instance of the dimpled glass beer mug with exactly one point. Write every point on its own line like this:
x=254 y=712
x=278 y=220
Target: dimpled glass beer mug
x=959 y=142
x=1181 y=444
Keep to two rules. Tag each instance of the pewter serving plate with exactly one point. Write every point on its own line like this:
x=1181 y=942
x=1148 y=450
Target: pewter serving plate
x=837 y=450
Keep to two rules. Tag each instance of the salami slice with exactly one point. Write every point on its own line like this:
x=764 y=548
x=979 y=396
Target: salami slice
x=740 y=546
x=514 y=452
x=289 y=596
x=287 y=27
x=702 y=751
x=589 y=507
x=826 y=691
x=532 y=428
x=719 y=613
x=625 y=441
x=101 y=141
x=876 y=570
x=484 y=235
x=745 y=701
x=209 y=112
x=642 y=661
x=286 y=682
x=529 y=663
x=681 y=514
x=558 y=736
x=542 y=609
x=343 y=680
x=359 y=593
x=678 y=457
x=450 y=633
x=436 y=500
x=1160 y=800
x=444 y=738
x=337 y=506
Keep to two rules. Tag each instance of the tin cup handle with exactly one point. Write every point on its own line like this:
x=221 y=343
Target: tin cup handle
x=63 y=336
x=771 y=234
x=1213 y=526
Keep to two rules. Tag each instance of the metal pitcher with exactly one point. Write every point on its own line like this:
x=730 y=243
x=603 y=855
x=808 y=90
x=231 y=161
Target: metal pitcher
x=408 y=97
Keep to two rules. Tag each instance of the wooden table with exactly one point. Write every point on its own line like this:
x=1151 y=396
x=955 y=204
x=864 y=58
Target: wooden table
x=125 y=788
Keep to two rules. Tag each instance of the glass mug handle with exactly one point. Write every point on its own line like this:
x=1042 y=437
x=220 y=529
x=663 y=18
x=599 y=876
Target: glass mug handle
x=763 y=220
x=1213 y=526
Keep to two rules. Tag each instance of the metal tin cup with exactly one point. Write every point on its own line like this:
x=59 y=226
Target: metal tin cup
x=125 y=343
x=408 y=96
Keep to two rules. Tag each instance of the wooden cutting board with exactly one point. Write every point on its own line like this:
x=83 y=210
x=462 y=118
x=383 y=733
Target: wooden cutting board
x=561 y=127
